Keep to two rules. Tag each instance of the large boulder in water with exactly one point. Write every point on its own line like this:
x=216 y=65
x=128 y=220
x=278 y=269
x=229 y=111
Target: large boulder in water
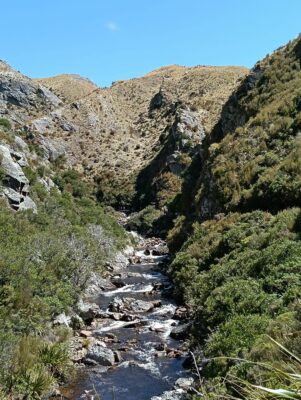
x=181 y=331
x=184 y=383
x=88 y=311
x=102 y=355
x=129 y=304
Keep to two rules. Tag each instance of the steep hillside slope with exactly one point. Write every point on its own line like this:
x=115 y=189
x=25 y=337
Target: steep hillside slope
x=113 y=133
x=239 y=270
x=21 y=98
x=54 y=237
x=134 y=140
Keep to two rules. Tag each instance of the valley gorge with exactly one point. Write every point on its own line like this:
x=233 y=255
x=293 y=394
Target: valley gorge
x=150 y=235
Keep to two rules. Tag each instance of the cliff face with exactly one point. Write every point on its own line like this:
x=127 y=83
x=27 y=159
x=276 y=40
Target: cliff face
x=21 y=98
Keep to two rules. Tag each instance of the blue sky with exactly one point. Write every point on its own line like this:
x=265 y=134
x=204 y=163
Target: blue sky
x=120 y=39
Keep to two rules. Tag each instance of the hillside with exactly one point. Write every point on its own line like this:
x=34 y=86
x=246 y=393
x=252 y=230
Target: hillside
x=66 y=146
x=208 y=157
x=68 y=87
x=54 y=238
x=111 y=134
x=237 y=233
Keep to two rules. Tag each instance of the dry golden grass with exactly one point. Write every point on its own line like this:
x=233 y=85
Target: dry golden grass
x=114 y=128
x=111 y=129
x=68 y=87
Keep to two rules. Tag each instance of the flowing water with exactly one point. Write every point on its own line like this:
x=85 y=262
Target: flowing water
x=144 y=370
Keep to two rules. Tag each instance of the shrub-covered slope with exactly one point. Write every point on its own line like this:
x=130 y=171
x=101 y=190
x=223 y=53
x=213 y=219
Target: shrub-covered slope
x=251 y=157
x=48 y=250
x=240 y=269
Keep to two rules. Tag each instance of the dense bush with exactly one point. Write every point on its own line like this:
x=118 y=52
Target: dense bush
x=45 y=262
x=238 y=273
x=240 y=270
x=109 y=189
x=71 y=182
x=143 y=220
x=5 y=123
x=257 y=165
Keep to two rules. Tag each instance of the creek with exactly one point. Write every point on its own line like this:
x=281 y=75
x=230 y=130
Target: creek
x=139 y=324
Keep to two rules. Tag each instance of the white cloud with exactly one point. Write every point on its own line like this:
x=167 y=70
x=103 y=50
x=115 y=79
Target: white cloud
x=111 y=26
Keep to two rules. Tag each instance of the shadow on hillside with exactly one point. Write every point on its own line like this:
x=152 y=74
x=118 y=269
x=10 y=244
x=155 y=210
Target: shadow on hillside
x=145 y=186
x=232 y=116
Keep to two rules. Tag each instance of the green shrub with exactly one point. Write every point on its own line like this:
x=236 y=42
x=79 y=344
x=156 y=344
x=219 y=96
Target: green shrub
x=36 y=148
x=144 y=220
x=70 y=181
x=239 y=274
x=55 y=357
x=5 y=123
x=31 y=174
x=2 y=175
x=237 y=335
x=46 y=261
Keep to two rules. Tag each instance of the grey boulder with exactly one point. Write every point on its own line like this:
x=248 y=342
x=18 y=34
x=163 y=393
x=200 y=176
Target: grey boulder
x=129 y=304
x=52 y=150
x=177 y=394
x=12 y=169
x=102 y=355
x=88 y=311
x=181 y=331
x=184 y=383
x=28 y=204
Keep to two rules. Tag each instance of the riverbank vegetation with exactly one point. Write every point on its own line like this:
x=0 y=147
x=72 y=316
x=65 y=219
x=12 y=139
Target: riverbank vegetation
x=46 y=260
x=239 y=270
x=241 y=276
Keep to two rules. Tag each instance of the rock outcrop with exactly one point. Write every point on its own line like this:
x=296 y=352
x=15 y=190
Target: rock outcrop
x=15 y=183
x=101 y=355
x=129 y=304
x=21 y=97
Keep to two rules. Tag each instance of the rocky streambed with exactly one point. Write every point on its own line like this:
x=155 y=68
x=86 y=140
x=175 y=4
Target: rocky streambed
x=133 y=343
